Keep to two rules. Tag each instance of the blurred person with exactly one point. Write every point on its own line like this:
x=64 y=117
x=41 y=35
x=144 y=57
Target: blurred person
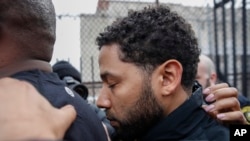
x=27 y=37
x=68 y=73
x=71 y=76
x=148 y=63
x=207 y=76
x=20 y=103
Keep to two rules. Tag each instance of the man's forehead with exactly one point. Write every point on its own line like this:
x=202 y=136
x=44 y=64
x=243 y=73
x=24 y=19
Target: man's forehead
x=108 y=52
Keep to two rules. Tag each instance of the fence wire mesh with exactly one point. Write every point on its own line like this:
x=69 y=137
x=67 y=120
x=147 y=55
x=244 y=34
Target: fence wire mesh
x=201 y=19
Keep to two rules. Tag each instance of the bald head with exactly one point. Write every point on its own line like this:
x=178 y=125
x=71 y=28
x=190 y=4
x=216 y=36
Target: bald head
x=208 y=63
x=206 y=73
x=30 y=24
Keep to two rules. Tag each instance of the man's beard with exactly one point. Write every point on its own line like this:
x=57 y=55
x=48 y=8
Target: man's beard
x=145 y=113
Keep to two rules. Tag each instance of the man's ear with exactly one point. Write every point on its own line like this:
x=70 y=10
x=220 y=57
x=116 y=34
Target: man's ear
x=213 y=78
x=171 y=72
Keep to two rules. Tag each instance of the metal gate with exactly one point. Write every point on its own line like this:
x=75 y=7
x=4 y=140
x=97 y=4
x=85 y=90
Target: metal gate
x=231 y=42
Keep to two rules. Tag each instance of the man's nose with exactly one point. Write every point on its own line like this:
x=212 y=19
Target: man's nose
x=103 y=100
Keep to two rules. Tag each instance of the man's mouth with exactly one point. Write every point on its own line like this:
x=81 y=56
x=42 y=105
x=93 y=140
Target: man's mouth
x=113 y=122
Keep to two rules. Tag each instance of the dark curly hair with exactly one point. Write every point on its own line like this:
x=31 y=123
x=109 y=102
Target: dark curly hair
x=152 y=36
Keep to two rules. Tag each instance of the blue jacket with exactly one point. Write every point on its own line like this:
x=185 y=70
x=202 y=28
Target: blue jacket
x=87 y=126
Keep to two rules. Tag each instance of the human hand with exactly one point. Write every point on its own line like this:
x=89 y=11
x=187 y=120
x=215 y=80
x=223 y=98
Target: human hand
x=25 y=114
x=224 y=104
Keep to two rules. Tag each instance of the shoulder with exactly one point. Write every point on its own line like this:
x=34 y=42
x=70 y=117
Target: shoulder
x=87 y=125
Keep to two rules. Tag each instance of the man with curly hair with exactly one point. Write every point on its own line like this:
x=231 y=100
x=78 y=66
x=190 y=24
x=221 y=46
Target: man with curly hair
x=27 y=36
x=148 y=62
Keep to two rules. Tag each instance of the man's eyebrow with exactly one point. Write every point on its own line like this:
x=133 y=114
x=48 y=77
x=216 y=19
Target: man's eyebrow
x=104 y=75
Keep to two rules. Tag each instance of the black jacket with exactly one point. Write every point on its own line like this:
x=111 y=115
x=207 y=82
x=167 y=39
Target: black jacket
x=189 y=122
x=87 y=126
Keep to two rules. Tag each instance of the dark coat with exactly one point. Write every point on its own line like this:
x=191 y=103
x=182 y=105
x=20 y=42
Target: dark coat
x=189 y=122
x=87 y=126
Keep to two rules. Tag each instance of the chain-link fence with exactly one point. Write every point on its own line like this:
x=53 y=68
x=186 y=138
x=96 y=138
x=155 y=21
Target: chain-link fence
x=201 y=18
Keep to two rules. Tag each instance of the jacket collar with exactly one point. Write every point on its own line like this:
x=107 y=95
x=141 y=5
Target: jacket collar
x=181 y=121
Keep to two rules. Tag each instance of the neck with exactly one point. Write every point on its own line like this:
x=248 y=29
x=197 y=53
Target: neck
x=175 y=100
x=24 y=65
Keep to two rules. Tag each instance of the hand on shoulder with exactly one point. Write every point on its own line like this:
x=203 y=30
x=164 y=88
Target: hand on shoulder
x=26 y=114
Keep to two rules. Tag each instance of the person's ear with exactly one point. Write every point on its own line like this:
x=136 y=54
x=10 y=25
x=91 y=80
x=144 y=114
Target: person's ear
x=171 y=72
x=213 y=78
